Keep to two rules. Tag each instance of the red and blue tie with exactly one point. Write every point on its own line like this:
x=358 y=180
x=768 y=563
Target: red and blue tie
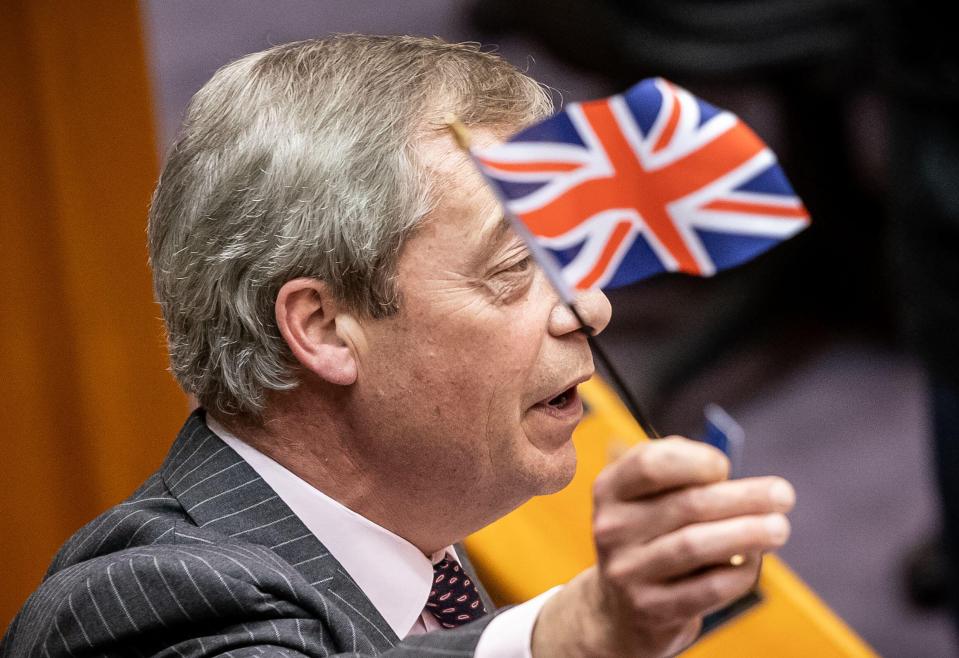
x=454 y=599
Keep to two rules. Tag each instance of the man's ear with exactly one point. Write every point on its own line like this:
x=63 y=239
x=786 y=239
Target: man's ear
x=306 y=314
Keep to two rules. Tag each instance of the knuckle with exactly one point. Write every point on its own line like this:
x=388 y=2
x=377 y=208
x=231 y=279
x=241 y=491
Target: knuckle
x=715 y=590
x=602 y=486
x=620 y=575
x=643 y=466
x=687 y=545
x=607 y=530
x=647 y=609
x=692 y=504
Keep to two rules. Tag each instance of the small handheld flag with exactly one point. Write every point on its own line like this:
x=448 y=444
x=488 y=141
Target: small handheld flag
x=555 y=275
x=613 y=191
x=653 y=180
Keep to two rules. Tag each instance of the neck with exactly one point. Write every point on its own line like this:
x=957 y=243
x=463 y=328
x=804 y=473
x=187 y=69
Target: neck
x=319 y=442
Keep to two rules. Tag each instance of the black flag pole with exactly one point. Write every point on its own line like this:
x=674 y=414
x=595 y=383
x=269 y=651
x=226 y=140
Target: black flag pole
x=618 y=382
x=549 y=266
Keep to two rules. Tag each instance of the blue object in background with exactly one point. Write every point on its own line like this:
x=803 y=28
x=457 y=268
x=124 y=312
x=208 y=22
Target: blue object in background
x=724 y=433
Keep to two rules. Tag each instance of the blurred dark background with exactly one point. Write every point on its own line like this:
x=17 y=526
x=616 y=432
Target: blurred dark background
x=835 y=351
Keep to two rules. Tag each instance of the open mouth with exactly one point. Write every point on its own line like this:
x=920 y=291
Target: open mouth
x=563 y=404
x=563 y=399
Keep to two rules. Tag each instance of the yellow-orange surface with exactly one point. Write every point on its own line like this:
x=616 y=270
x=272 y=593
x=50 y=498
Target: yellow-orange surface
x=547 y=541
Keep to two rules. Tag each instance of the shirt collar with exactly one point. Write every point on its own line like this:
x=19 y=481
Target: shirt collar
x=392 y=572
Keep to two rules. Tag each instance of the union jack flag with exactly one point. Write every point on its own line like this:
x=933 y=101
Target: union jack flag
x=648 y=181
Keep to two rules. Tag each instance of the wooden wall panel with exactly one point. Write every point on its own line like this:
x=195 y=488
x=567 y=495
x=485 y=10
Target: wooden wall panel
x=88 y=409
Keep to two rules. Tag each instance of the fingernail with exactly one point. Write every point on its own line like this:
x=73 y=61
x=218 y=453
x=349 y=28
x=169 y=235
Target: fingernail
x=782 y=494
x=777 y=527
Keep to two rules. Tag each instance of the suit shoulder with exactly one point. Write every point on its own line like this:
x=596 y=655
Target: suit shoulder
x=154 y=595
x=148 y=516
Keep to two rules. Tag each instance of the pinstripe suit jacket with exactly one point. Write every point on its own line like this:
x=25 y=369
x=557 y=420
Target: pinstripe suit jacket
x=204 y=559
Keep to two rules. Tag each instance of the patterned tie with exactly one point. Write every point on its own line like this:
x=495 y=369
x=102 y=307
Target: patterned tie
x=453 y=599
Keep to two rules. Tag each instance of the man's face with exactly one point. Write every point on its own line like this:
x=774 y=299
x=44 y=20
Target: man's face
x=469 y=388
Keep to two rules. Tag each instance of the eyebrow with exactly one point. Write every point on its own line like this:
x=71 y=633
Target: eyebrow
x=493 y=239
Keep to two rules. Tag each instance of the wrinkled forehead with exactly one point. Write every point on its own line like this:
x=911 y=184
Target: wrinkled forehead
x=445 y=165
x=456 y=186
x=436 y=149
x=464 y=217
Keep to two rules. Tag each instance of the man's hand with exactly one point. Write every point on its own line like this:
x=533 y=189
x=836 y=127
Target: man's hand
x=666 y=522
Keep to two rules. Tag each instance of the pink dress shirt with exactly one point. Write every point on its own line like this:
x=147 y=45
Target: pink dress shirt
x=393 y=573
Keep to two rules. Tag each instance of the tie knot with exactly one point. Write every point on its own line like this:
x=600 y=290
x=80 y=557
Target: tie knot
x=454 y=599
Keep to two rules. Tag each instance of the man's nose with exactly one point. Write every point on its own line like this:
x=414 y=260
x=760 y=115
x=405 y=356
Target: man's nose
x=593 y=308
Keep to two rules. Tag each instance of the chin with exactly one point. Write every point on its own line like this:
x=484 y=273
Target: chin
x=558 y=473
x=543 y=478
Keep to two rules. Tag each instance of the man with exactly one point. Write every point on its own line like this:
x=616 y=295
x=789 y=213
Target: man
x=382 y=371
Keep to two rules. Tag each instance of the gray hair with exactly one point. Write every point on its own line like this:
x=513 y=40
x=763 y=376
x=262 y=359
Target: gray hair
x=300 y=161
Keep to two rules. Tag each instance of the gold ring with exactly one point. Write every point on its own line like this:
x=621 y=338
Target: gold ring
x=737 y=560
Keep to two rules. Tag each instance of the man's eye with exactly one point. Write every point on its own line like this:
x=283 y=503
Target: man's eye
x=517 y=267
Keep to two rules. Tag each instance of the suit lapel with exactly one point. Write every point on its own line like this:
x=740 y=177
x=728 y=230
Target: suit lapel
x=222 y=493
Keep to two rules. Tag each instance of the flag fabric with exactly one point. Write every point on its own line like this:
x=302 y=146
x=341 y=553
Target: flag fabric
x=616 y=190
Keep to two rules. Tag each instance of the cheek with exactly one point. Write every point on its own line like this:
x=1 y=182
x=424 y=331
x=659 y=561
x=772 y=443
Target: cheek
x=477 y=369
x=473 y=381
x=465 y=370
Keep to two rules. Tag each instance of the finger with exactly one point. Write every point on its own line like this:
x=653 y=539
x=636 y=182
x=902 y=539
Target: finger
x=722 y=500
x=657 y=466
x=712 y=590
x=669 y=603
x=702 y=545
x=640 y=521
